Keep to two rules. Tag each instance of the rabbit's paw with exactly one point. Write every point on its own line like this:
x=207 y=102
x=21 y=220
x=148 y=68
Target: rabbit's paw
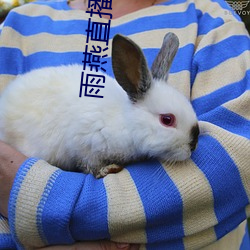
x=110 y=169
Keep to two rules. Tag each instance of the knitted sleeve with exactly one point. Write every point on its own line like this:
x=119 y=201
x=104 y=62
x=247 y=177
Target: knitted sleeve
x=184 y=206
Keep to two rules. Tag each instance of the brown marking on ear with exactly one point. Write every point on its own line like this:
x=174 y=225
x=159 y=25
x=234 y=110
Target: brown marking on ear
x=130 y=67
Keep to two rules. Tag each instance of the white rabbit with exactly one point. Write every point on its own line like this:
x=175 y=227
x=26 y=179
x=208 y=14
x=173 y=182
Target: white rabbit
x=140 y=115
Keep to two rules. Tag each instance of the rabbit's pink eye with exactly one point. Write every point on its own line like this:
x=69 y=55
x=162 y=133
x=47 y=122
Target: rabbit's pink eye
x=168 y=120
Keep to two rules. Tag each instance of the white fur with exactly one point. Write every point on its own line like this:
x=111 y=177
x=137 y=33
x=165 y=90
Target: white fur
x=42 y=115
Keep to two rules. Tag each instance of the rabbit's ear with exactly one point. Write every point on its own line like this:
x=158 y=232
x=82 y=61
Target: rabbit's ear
x=130 y=67
x=163 y=61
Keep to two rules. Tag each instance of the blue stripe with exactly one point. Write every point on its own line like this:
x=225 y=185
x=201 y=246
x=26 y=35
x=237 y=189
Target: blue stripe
x=10 y=60
x=62 y=208
x=36 y=60
x=166 y=213
x=57 y=208
x=178 y=64
x=218 y=54
x=89 y=219
x=6 y=241
x=145 y=23
x=228 y=120
x=142 y=24
x=223 y=176
x=208 y=23
x=230 y=223
x=46 y=59
x=44 y=24
x=217 y=98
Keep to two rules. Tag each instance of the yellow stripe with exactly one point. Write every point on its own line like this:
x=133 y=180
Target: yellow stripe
x=219 y=34
x=240 y=105
x=56 y=43
x=28 y=200
x=210 y=83
x=181 y=82
x=62 y=43
x=200 y=239
x=143 y=39
x=123 y=198
x=35 y=10
x=195 y=189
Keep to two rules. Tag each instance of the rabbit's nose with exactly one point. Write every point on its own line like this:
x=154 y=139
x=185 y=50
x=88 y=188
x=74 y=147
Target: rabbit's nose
x=195 y=131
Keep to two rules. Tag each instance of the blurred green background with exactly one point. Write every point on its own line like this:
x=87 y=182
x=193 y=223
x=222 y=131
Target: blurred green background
x=7 y=5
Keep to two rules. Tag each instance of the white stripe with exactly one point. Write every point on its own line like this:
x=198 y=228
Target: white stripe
x=221 y=33
x=63 y=43
x=240 y=105
x=27 y=203
x=201 y=239
x=208 y=78
x=195 y=189
x=123 y=198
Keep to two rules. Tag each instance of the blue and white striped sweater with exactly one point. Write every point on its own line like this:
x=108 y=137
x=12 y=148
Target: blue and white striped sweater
x=161 y=207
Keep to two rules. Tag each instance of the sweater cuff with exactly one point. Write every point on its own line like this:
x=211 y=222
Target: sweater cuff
x=30 y=193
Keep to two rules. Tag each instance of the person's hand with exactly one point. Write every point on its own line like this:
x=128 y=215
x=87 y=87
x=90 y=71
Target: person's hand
x=10 y=161
x=94 y=245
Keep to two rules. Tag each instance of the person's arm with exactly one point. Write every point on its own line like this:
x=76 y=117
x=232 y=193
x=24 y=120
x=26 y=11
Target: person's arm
x=10 y=161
